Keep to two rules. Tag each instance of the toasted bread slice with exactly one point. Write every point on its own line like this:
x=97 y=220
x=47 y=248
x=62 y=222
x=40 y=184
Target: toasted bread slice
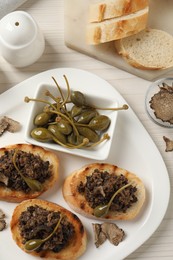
x=75 y=247
x=78 y=202
x=150 y=49
x=13 y=195
x=100 y=10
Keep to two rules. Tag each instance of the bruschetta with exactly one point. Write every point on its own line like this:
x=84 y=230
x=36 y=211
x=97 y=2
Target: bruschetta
x=26 y=171
x=48 y=230
x=104 y=190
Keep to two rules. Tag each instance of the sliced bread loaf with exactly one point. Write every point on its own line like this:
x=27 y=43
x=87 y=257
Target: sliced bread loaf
x=149 y=49
x=117 y=28
x=100 y=10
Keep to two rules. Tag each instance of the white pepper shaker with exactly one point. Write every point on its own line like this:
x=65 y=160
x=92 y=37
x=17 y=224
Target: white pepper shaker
x=21 y=41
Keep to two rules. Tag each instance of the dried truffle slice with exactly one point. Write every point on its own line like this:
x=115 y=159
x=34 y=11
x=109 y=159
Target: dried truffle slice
x=114 y=234
x=13 y=125
x=108 y=231
x=166 y=87
x=2 y=214
x=4 y=179
x=2 y=221
x=169 y=144
x=2 y=224
x=3 y=125
x=8 y=124
x=162 y=104
x=99 y=236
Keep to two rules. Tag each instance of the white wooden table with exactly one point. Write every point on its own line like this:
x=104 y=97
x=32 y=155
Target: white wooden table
x=49 y=16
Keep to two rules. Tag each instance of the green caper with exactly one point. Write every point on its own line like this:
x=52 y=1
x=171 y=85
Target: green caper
x=78 y=115
x=44 y=135
x=78 y=98
x=64 y=127
x=102 y=210
x=47 y=107
x=41 y=134
x=33 y=244
x=55 y=131
x=88 y=133
x=71 y=139
x=86 y=116
x=42 y=119
x=76 y=111
x=75 y=140
x=99 y=123
x=34 y=185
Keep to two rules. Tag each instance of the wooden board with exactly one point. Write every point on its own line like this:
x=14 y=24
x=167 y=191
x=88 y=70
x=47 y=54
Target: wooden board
x=75 y=21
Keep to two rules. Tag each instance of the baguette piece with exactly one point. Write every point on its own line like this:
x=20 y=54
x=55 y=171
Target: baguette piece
x=150 y=49
x=76 y=245
x=107 y=9
x=14 y=195
x=78 y=202
x=117 y=28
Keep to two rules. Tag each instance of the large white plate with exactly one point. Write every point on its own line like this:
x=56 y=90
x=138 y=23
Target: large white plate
x=132 y=149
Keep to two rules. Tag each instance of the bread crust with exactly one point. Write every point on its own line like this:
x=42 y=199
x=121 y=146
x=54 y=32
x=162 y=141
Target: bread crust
x=78 y=202
x=137 y=65
x=76 y=247
x=107 y=9
x=117 y=28
x=17 y=196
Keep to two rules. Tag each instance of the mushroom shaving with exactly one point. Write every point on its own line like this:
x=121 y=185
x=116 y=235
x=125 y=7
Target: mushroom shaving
x=108 y=231
x=2 y=215
x=4 y=179
x=8 y=124
x=2 y=221
x=2 y=224
x=169 y=144
x=99 y=236
x=3 y=125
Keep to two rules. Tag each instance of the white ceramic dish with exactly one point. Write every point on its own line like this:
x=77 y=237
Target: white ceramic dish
x=127 y=151
x=104 y=99
x=152 y=90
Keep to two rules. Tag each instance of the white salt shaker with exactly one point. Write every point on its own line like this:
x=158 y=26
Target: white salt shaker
x=21 y=41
